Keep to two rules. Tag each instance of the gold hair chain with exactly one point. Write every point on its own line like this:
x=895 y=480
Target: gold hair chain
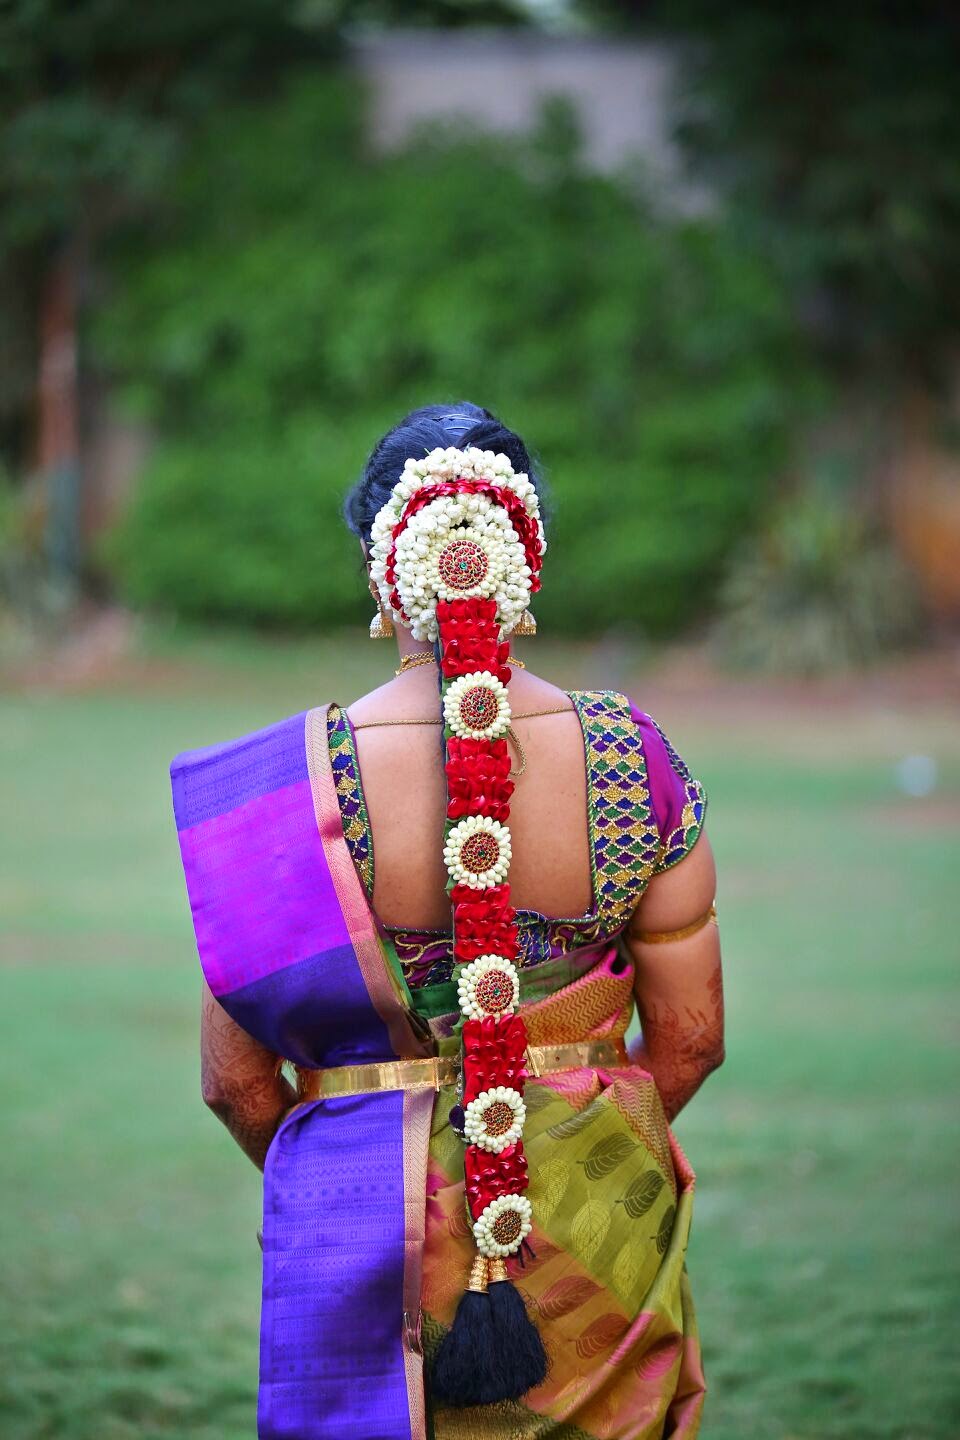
x=427 y=657
x=527 y=715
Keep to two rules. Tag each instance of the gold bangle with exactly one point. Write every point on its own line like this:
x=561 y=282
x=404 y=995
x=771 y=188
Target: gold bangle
x=663 y=937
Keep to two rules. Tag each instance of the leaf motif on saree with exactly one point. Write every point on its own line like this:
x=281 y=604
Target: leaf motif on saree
x=537 y=1097
x=589 y=1229
x=566 y=1129
x=601 y=1334
x=549 y=1185
x=641 y=1193
x=565 y=1295
x=458 y=1223
x=526 y=1295
x=628 y=1267
x=666 y=1229
x=659 y=1359
x=606 y=1155
x=544 y=1253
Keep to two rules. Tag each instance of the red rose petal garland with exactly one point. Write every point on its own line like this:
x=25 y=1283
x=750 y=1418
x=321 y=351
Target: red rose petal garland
x=478 y=778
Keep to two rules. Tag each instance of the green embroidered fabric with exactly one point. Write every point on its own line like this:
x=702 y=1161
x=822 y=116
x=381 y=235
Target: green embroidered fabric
x=624 y=839
x=353 y=806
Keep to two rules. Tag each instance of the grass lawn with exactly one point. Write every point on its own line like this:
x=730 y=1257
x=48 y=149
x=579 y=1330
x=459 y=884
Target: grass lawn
x=825 y=1251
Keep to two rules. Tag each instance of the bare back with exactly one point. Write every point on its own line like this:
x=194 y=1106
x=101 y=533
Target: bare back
x=404 y=786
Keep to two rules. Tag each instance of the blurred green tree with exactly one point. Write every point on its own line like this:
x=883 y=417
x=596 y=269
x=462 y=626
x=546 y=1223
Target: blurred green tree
x=834 y=137
x=305 y=293
x=98 y=102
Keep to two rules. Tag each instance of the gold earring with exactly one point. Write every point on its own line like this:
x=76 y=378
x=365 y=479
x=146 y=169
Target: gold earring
x=381 y=626
x=526 y=625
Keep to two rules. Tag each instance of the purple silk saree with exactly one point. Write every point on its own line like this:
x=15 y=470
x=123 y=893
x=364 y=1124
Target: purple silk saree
x=290 y=948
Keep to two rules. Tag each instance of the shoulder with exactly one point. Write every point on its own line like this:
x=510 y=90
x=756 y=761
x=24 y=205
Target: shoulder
x=218 y=778
x=660 y=752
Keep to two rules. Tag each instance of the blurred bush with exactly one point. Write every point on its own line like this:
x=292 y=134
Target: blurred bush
x=303 y=294
x=822 y=588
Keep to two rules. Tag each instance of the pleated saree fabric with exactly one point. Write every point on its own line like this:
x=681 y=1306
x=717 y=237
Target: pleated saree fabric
x=366 y=1236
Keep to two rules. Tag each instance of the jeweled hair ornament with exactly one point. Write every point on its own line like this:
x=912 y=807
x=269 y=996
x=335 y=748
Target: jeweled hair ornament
x=459 y=525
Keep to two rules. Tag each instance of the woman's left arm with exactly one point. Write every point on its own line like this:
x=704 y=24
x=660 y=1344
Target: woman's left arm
x=679 y=980
x=241 y=1080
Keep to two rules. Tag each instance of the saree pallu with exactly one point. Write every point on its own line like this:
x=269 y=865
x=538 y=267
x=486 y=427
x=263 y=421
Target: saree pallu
x=366 y=1242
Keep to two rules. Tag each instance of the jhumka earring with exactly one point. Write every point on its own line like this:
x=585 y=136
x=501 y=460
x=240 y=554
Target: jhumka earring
x=526 y=625
x=381 y=626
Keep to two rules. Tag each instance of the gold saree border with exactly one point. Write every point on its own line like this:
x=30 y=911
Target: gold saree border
x=358 y=916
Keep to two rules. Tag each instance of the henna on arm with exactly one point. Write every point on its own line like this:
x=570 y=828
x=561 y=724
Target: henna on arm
x=679 y=984
x=681 y=1047
x=240 y=1080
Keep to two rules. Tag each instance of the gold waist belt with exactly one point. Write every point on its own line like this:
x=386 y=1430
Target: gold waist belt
x=434 y=1071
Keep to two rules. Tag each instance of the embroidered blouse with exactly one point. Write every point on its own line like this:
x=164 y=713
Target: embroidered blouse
x=645 y=812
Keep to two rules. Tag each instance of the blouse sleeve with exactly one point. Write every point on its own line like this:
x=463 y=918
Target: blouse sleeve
x=678 y=799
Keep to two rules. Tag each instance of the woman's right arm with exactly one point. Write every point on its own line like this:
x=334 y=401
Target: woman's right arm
x=679 y=981
x=241 y=1081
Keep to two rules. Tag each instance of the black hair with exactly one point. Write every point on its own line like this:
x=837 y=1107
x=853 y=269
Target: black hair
x=431 y=427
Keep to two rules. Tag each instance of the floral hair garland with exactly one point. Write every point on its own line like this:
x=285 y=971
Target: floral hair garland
x=456 y=554
x=459 y=525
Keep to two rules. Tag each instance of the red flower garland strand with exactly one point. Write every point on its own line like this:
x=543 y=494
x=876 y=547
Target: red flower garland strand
x=484 y=921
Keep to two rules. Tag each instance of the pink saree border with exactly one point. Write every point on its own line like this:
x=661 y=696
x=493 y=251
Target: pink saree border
x=358 y=917
x=388 y=1001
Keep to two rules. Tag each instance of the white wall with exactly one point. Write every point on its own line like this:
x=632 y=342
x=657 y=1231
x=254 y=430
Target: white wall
x=622 y=91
